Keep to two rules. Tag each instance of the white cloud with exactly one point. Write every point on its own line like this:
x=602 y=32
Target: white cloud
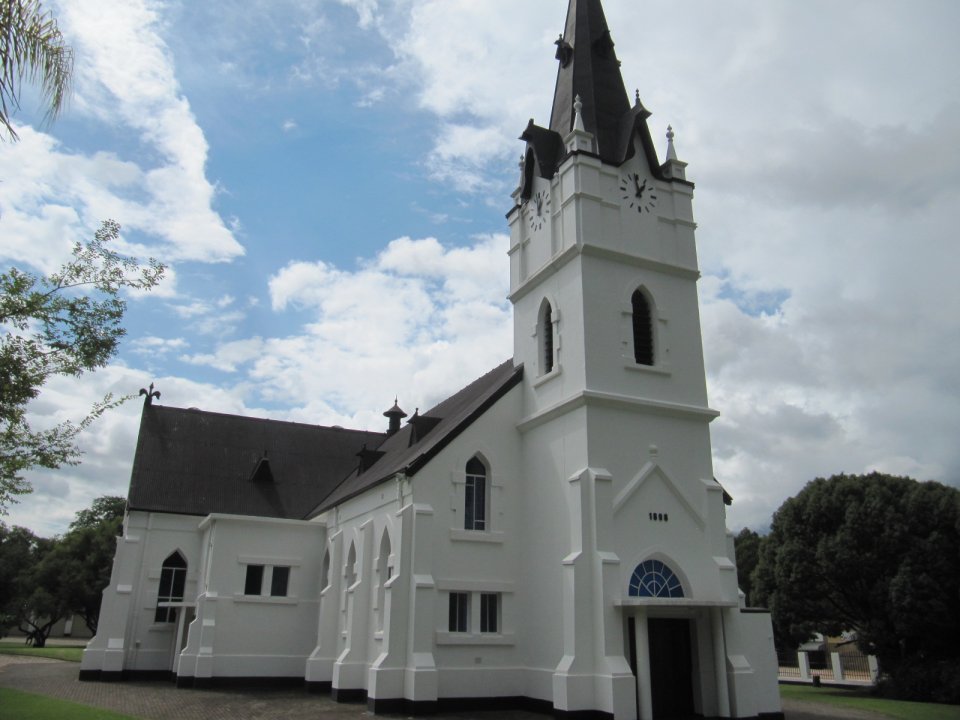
x=125 y=79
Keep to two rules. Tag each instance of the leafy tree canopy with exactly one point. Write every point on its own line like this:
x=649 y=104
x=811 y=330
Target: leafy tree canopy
x=43 y=581
x=747 y=548
x=873 y=553
x=66 y=323
x=31 y=47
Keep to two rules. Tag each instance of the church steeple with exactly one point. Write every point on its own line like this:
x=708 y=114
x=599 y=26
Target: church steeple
x=589 y=69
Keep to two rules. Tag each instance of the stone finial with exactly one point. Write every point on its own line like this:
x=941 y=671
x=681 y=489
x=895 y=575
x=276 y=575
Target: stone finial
x=637 y=98
x=671 y=151
x=578 y=115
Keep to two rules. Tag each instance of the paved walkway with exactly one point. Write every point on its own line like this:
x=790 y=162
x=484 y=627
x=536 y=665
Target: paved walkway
x=162 y=701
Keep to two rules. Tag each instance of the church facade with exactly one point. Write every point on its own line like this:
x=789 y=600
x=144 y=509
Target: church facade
x=550 y=537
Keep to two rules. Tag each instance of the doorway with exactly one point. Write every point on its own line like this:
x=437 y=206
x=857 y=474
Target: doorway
x=671 y=668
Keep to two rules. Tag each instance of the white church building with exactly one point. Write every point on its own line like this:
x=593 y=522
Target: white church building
x=551 y=537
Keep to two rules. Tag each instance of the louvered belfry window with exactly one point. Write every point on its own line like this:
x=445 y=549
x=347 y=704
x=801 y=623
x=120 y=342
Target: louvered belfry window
x=547 y=339
x=642 y=329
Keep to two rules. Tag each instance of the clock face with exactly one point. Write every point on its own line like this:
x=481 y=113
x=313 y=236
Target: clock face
x=638 y=192
x=538 y=209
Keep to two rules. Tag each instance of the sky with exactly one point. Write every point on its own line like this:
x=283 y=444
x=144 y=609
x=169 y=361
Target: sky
x=327 y=181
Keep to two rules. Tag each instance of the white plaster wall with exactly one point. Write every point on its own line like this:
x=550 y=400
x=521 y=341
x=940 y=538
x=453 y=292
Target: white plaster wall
x=236 y=635
x=128 y=630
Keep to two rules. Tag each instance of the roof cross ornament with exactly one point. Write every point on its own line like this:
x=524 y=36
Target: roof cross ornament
x=150 y=395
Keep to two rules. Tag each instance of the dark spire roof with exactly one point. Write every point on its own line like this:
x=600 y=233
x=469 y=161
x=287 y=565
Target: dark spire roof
x=589 y=68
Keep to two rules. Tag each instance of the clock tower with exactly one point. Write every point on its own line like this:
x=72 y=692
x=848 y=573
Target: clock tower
x=631 y=550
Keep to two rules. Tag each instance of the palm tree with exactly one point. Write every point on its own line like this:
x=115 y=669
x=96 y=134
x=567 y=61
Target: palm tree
x=31 y=47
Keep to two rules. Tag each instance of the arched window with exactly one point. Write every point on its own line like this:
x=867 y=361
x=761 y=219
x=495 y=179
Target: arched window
x=475 y=496
x=653 y=578
x=642 y=329
x=545 y=334
x=325 y=569
x=173 y=578
x=384 y=572
x=350 y=569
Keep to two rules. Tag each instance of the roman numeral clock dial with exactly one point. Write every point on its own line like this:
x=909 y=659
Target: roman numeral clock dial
x=638 y=192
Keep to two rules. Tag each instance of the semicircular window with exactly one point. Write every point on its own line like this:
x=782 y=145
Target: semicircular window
x=653 y=578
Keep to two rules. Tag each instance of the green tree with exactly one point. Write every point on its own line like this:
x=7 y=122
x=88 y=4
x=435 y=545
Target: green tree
x=17 y=546
x=879 y=555
x=66 y=323
x=747 y=548
x=85 y=556
x=31 y=47
x=43 y=581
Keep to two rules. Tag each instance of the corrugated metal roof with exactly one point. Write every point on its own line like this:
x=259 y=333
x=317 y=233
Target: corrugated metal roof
x=196 y=463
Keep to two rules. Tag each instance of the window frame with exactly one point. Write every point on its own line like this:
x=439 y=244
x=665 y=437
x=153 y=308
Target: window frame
x=458 y=612
x=173 y=575
x=476 y=514
x=490 y=613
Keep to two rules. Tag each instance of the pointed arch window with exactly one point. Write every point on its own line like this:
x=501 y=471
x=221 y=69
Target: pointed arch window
x=475 y=496
x=642 y=329
x=325 y=569
x=384 y=572
x=350 y=569
x=173 y=579
x=545 y=334
x=655 y=579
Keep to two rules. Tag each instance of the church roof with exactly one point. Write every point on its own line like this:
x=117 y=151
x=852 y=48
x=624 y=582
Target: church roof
x=193 y=462
x=428 y=433
x=196 y=463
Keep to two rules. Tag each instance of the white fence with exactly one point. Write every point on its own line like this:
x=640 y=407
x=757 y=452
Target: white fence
x=832 y=667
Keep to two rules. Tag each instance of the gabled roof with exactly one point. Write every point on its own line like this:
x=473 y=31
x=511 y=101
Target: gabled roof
x=196 y=463
x=407 y=454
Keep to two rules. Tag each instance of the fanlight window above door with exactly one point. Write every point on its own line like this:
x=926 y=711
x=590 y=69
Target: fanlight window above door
x=653 y=578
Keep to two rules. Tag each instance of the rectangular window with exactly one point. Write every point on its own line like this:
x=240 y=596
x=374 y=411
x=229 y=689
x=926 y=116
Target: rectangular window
x=254 y=581
x=489 y=612
x=459 y=612
x=279 y=581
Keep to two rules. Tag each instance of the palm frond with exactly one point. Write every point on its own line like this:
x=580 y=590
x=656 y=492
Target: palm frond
x=32 y=48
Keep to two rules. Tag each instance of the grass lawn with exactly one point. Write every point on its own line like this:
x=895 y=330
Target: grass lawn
x=861 y=700
x=52 y=650
x=16 y=705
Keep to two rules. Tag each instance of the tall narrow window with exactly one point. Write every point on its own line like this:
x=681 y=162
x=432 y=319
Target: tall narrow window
x=383 y=574
x=350 y=570
x=459 y=612
x=173 y=577
x=325 y=569
x=475 y=496
x=545 y=333
x=489 y=612
x=642 y=329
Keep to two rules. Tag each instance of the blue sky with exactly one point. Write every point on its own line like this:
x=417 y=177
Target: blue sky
x=328 y=180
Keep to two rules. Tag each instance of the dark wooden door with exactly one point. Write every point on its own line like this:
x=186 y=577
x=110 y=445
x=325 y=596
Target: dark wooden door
x=671 y=668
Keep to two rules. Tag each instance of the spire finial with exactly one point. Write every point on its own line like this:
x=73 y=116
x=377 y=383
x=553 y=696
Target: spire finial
x=578 y=115
x=671 y=151
x=637 y=97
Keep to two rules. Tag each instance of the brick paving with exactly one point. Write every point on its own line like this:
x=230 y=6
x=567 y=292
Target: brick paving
x=163 y=701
